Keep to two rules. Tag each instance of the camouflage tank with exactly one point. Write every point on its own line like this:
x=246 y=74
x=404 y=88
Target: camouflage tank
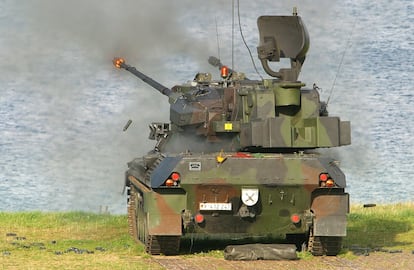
x=237 y=159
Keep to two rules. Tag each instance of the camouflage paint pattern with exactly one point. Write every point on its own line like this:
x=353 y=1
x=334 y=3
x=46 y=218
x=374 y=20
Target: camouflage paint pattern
x=287 y=184
x=235 y=160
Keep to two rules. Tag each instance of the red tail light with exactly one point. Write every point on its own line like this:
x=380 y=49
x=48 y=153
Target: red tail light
x=199 y=218
x=325 y=180
x=323 y=177
x=295 y=218
x=175 y=176
x=173 y=180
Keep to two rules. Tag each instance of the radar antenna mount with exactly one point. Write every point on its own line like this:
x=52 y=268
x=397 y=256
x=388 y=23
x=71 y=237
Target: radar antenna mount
x=283 y=37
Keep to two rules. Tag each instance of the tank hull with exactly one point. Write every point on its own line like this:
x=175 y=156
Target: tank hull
x=231 y=196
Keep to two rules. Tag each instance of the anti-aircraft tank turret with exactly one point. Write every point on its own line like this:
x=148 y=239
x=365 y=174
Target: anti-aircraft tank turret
x=235 y=160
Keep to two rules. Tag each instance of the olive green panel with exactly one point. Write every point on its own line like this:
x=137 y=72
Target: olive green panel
x=175 y=201
x=321 y=132
x=294 y=172
x=309 y=104
x=273 y=132
x=263 y=169
x=164 y=212
x=305 y=133
x=328 y=131
x=287 y=96
x=279 y=134
x=345 y=131
x=264 y=104
x=248 y=137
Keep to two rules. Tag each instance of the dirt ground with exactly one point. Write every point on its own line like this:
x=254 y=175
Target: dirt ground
x=375 y=260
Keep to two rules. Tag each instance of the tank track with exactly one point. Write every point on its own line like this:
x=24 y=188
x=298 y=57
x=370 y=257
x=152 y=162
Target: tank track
x=167 y=245
x=324 y=245
x=132 y=218
x=138 y=229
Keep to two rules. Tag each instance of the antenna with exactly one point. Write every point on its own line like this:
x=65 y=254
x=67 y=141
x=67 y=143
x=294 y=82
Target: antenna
x=218 y=41
x=340 y=63
x=244 y=40
x=232 y=35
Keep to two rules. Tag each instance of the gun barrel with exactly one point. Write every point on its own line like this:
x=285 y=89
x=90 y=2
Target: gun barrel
x=120 y=63
x=215 y=62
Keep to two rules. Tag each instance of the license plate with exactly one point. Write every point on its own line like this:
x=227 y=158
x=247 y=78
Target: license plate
x=215 y=206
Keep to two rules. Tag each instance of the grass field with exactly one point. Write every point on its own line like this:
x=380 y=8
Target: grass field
x=386 y=226
x=74 y=240
x=77 y=240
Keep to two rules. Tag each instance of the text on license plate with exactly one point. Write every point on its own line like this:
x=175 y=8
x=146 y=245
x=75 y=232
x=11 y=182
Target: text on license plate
x=215 y=206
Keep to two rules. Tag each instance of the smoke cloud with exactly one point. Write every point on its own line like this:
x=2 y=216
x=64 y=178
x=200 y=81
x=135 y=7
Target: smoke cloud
x=146 y=30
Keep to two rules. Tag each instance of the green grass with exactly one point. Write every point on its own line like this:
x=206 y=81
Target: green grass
x=76 y=240
x=383 y=226
x=55 y=240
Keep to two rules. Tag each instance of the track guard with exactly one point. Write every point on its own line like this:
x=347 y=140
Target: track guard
x=165 y=208
x=330 y=214
x=162 y=208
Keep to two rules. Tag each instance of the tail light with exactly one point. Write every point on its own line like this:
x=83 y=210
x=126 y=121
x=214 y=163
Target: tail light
x=173 y=180
x=325 y=180
x=175 y=176
x=323 y=177
x=330 y=183
x=199 y=218
x=169 y=183
x=295 y=218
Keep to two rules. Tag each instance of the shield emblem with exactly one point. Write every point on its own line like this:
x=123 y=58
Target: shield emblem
x=250 y=196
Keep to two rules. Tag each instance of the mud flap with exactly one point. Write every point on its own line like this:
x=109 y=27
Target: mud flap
x=162 y=209
x=254 y=252
x=168 y=225
x=330 y=226
x=330 y=214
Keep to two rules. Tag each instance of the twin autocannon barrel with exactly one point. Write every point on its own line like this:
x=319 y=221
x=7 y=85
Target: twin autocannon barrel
x=120 y=63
